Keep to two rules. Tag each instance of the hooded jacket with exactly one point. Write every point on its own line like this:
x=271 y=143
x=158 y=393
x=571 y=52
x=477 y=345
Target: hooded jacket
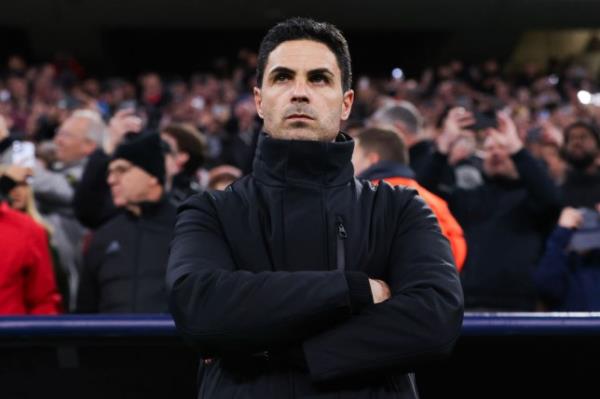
x=270 y=280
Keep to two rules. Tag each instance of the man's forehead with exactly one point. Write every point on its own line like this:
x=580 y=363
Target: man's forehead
x=302 y=55
x=75 y=124
x=119 y=163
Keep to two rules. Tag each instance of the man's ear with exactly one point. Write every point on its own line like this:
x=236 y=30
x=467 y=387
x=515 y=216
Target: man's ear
x=258 y=101
x=347 y=104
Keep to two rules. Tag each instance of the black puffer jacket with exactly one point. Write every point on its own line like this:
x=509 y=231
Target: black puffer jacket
x=270 y=278
x=125 y=265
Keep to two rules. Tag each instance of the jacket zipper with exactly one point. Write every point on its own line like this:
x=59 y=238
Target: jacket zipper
x=341 y=247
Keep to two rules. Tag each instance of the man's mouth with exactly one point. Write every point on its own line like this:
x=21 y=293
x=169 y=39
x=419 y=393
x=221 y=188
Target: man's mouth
x=299 y=116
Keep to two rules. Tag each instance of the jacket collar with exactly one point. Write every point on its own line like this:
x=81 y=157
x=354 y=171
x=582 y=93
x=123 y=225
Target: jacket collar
x=300 y=162
x=385 y=169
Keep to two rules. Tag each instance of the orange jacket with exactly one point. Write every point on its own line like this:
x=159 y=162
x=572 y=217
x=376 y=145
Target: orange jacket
x=448 y=224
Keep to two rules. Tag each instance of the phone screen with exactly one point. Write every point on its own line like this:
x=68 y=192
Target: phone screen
x=23 y=154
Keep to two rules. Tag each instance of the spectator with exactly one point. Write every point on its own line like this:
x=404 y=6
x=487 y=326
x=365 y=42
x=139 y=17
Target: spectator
x=54 y=187
x=568 y=276
x=125 y=264
x=582 y=151
x=406 y=120
x=381 y=155
x=20 y=198
x=183 y=163
x=505 y=220
x=26 y=275
x=93 y=202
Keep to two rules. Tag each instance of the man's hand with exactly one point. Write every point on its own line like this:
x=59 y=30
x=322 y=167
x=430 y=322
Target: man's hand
x=508 y=130
x=17 y=173
x=124 y=121
x=380 y=290
x=570 y=218
x=3 y=128
x=454 y=126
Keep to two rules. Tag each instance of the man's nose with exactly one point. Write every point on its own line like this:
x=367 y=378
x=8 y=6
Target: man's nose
x=300 y=91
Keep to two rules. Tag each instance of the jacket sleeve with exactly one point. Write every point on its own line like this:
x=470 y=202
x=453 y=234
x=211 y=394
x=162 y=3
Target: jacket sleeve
x=41 y=294
x=422 y=319
x=88 y=290
x=552 y=274
x=222 y=309
x=51 y=186
x=92 y=201
x=544 y=195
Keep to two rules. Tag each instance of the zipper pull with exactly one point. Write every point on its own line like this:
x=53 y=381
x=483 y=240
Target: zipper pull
x=342 y=231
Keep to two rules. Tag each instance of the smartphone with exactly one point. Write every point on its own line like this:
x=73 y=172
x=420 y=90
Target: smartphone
x=483 y=120
x=23 y=154
x=128 y=104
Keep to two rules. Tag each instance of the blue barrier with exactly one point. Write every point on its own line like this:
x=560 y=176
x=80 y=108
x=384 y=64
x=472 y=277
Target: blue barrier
x=475 y=324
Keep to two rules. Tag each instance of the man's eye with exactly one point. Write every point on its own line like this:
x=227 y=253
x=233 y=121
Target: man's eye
x=282 y=77
x=319 y=79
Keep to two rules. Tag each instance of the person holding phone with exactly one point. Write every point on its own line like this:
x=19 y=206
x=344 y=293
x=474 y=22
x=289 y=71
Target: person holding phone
x=568 y=275
x=505 y=220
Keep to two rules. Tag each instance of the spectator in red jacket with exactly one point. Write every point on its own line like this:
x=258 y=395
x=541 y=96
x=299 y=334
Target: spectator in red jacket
x=27 y=283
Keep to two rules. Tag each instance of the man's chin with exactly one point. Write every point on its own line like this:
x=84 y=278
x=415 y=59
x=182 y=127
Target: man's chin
x=301 y=131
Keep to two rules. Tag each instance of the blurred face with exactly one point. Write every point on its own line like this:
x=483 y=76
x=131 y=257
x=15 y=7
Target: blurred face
x=129 y=184
x=174 y=160
x=497 y=161
x=19 y=196
x=581 y=148
x=301 y=97
x=72 y=143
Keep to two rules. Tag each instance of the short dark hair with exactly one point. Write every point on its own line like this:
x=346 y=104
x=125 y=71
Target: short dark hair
x=305 y=28
x=191 y=141
x=386 y=143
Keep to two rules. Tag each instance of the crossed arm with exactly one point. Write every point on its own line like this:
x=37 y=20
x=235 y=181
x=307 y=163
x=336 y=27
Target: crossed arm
x=226 y=311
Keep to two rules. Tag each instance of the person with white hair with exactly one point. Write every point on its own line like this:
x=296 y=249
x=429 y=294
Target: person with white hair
x=54 y=186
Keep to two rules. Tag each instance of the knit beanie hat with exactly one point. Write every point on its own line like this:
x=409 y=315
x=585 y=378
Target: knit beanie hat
x=145 y=150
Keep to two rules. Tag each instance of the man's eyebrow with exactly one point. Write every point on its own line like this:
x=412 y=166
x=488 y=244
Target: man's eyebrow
x=324 y=71
x=281 y=69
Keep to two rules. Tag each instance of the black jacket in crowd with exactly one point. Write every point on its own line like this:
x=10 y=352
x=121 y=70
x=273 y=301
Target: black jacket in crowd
x=506 y=223
x=270 y=280
x=125 y=264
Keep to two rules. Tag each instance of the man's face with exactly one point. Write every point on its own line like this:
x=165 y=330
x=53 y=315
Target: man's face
x=175 y=159
x=301 y=97
x=581 y=148
x=497 y=161
x=129 y=184
x=72 y=143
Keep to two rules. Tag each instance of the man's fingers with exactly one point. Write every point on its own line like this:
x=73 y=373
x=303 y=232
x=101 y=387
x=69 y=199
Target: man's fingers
x=122 y=113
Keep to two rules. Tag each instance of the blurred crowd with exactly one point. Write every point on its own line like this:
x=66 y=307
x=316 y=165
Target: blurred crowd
x=92 y=171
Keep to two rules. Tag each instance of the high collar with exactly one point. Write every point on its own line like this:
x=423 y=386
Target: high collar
x=385 y=169
x=300 y=162
x=150 y=209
